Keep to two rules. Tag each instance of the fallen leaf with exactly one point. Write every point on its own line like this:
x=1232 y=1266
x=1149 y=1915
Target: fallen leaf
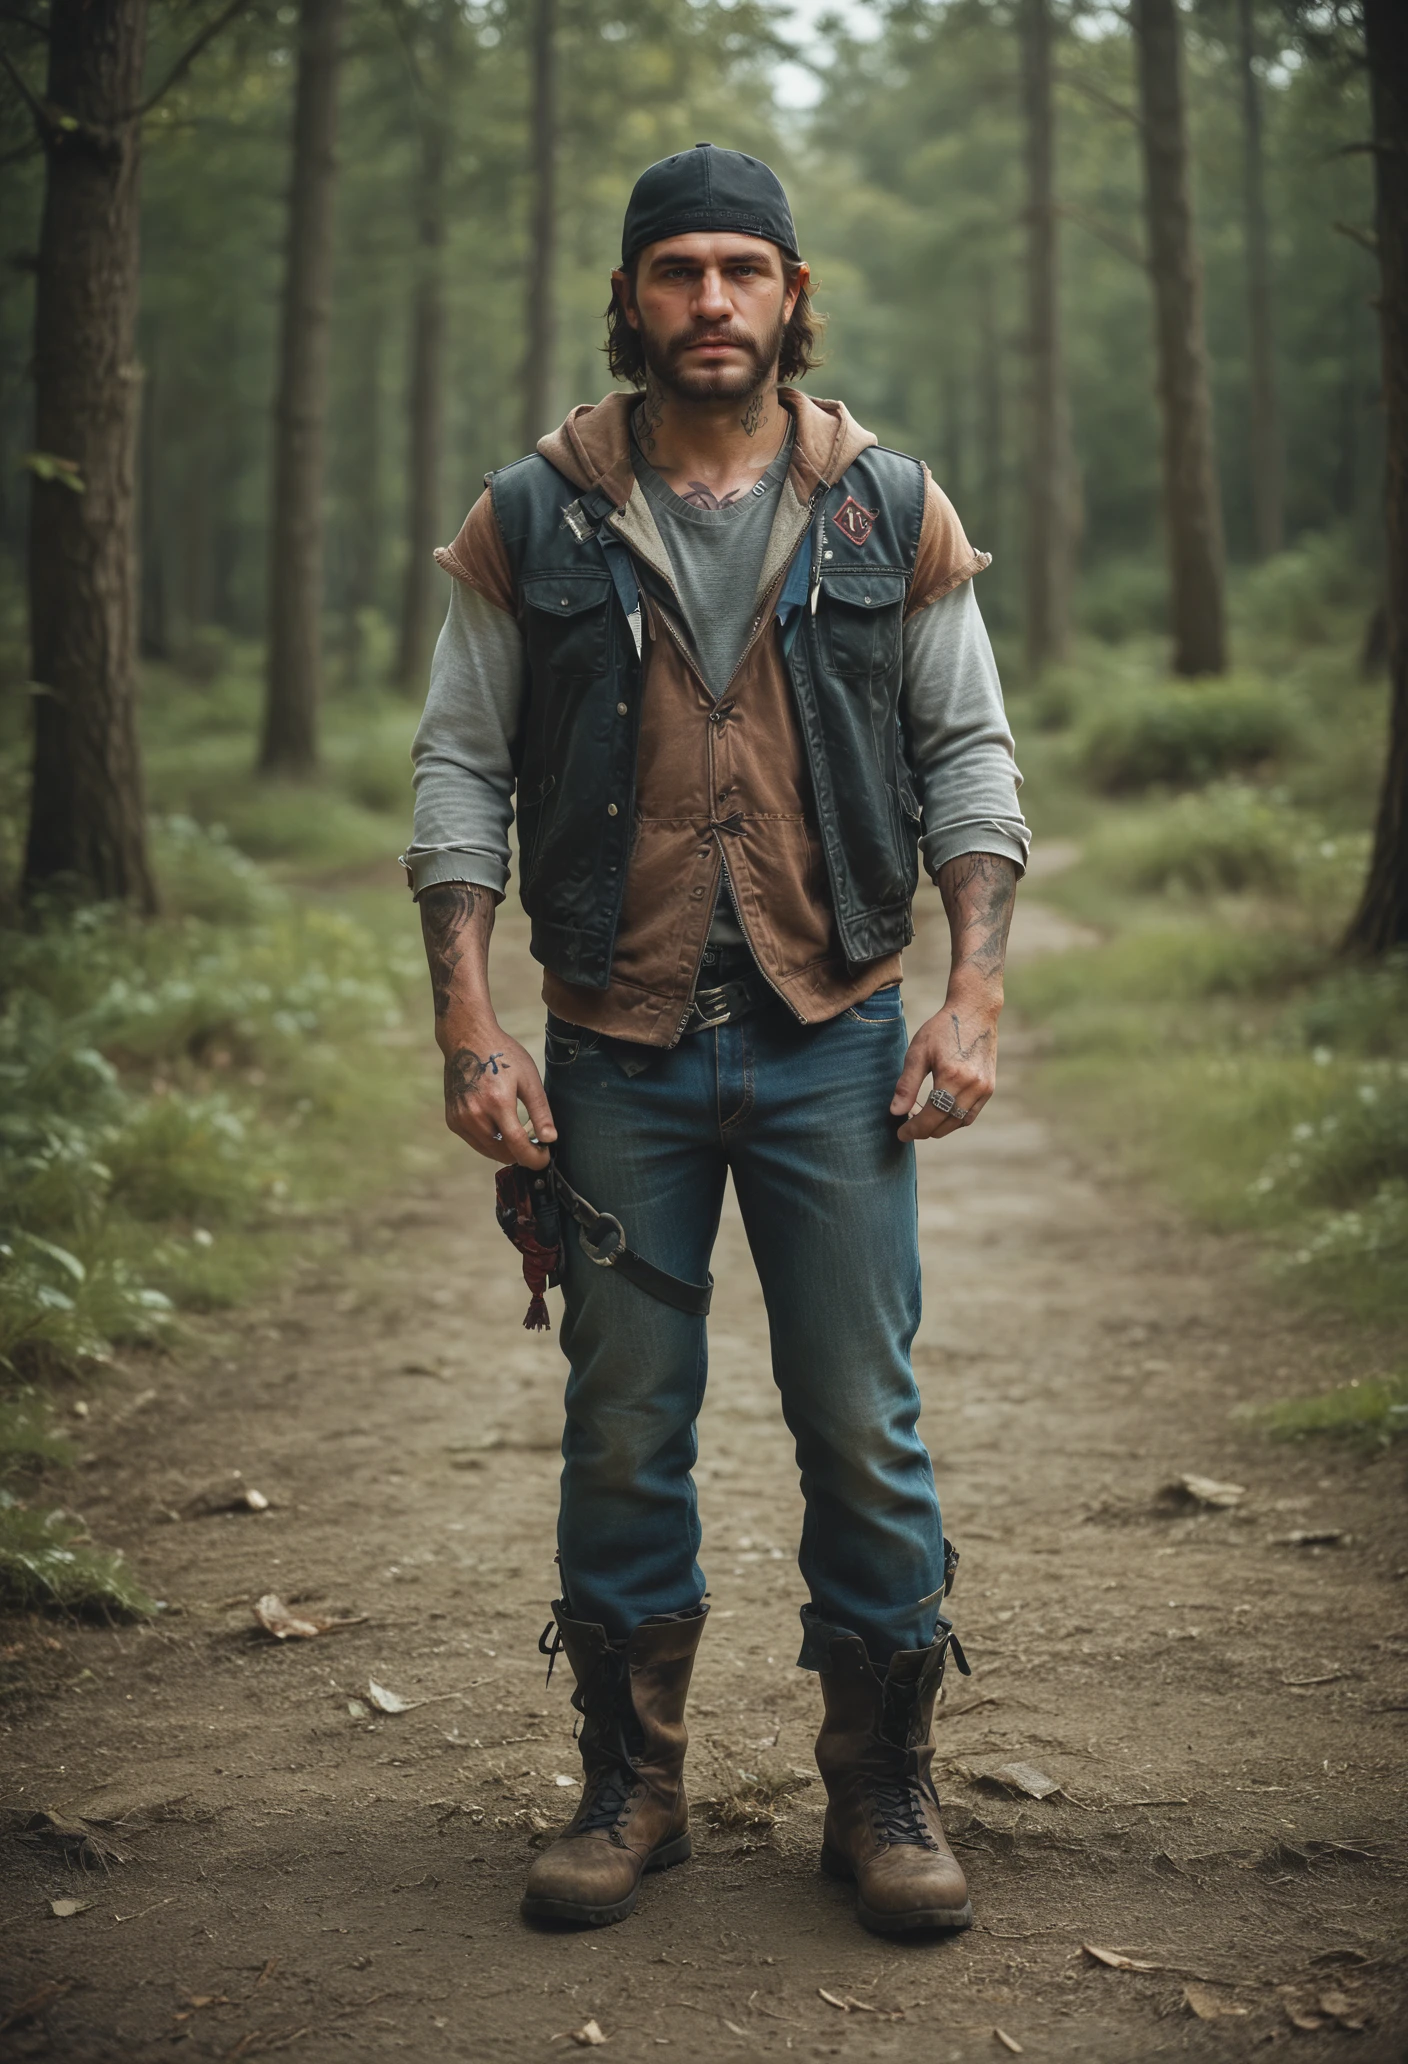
x=74 y=1838
x=1020 y=1777
x=1340 y=2007
x=587 y=2036
x=65 y=1909
x=35 y=2003
x=226 y=1494
x=1306 y=2023
x=359 y=1709
x=566 y=1783
x=1205 y=1490
x=1116 y=1960
x=831 y=1999
x=388 y=1701
x=734 y=2029
x=284 y=1624
x=1209 y=2005
x=1009 y=2042
x=1314 y=1537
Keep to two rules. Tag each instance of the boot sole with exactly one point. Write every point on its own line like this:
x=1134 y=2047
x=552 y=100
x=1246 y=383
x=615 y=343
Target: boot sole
x=919 y=1920
x=581 y=1916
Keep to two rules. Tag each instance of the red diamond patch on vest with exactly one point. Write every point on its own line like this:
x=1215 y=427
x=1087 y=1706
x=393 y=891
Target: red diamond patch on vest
x=854 y=523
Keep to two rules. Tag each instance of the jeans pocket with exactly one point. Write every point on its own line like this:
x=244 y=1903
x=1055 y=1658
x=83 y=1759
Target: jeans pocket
x=885 y=1007
x=563 y=1043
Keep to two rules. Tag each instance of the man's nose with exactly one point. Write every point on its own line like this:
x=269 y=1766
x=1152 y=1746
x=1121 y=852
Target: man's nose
x=712 y=301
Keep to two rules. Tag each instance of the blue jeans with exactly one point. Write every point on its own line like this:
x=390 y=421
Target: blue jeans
x=800 y=1115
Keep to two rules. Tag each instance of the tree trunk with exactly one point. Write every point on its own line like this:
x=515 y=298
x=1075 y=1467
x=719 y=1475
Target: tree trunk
x=293 y=678
x=1381 y=922
x=1048 y=560
x=426 y=406
x=87 y=820
x=991 y=413
x=1192 y=513
x=538 y=368
x=154 y=623
x=1267 y=489
x=363 y=484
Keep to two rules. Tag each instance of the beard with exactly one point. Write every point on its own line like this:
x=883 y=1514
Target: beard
x=664 y=356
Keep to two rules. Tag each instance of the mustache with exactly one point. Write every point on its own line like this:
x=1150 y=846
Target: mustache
x=712 y=335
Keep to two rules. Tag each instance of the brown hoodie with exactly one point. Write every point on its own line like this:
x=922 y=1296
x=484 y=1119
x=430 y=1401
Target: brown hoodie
x=715 y=775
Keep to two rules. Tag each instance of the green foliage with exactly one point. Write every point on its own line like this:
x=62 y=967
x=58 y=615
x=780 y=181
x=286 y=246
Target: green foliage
x=1374 y=1411
x=1178 y=736
x=46 y=1562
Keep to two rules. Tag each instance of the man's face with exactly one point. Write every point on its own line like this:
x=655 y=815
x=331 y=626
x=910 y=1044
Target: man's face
x=711 y=311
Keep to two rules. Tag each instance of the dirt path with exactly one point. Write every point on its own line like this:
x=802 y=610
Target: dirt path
x=1222 y=1709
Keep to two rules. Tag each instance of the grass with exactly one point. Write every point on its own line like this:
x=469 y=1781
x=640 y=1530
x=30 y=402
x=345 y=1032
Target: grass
x=187 y=1104
x=1373 y=1412
x=1214 y=1038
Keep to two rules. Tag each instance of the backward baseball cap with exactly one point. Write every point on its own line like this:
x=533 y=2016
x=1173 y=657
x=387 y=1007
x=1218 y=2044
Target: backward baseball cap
x=703 y=189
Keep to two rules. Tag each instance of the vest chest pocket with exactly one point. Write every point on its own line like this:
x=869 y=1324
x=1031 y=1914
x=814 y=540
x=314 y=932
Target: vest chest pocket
x=861 y=621
x=565 y=625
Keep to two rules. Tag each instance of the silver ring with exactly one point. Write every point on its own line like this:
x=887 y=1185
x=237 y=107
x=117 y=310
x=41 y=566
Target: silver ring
x=944 y=1100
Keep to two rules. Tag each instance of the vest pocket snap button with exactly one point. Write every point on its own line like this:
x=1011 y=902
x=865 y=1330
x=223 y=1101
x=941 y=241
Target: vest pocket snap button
x=611 y=809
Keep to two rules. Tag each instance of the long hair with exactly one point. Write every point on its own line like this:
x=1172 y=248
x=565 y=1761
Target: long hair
x=801 y=340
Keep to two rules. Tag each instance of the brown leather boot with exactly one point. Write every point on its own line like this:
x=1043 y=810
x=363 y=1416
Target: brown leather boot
x=882 y=1817
x=634 y=1816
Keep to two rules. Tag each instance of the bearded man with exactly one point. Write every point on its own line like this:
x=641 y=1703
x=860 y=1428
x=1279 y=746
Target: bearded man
x=723 y=651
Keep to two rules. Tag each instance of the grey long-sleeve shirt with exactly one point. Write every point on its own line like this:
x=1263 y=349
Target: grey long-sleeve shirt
x=952 y=700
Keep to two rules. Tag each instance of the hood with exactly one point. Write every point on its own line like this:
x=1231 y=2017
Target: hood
x=592 y=448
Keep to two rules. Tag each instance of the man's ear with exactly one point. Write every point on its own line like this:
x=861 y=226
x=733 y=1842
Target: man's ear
x=621 y=288
x=795 y=286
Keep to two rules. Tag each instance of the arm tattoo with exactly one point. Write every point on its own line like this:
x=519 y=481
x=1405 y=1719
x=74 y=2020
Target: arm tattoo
x=978 y=891
x=445 y=910
x=465 y=1070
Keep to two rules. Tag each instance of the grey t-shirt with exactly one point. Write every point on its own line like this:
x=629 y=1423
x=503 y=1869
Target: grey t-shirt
x=716 y=557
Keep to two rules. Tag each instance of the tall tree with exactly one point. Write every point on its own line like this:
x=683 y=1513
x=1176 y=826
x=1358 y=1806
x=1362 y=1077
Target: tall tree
x=1191 y=506
x=1381 y=921
x=86 y=822
x=427 y=360
x=1048 y=562
x=361 y=457
x=1267 y=489
x=538 y=365
x=293 y=679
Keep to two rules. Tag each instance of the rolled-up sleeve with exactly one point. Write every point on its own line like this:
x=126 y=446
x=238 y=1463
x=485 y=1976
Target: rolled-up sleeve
x=463 y=751
x=961 y=746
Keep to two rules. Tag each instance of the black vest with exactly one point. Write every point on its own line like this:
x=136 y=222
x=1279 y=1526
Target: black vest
x=575 y=755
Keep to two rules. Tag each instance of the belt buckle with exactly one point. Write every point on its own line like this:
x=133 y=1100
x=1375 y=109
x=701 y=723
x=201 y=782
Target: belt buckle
x=711 y=1008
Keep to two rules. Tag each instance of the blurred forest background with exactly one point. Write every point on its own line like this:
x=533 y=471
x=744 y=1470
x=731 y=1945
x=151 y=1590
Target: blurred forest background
x=280 y=283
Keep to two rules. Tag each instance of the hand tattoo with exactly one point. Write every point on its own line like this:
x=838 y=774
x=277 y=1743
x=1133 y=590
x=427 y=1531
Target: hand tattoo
x=465 y=1070
x=445 y=910
x=979 y=890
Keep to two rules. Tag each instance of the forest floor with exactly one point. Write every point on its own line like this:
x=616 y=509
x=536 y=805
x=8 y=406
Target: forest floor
x=1219 y=1699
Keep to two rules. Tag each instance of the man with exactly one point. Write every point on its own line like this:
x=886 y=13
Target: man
x=725 y=650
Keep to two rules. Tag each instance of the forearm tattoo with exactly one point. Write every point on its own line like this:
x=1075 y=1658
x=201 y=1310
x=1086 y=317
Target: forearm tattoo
x=979 y=890
x=445 y=910
x=465 y=1070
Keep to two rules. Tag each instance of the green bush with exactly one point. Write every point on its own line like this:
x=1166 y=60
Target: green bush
x=1352 y=1150
x=1320 y=590
x=1359 y=1010
x=1122 y=599
x=1182 y=736
x=46 y=1560
x=1230 y=837
x=1376 y=1410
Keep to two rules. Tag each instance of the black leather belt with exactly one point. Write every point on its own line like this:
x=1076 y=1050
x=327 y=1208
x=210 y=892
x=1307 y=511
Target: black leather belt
x=724 y=1003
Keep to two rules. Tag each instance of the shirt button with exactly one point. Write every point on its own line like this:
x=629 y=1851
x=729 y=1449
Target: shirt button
x=611 y=810
x=867 y=598
x=697 y=894
x=622 y=708
x=565 y=602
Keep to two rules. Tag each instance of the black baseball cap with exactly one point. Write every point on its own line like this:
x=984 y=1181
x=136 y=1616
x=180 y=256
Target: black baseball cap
x=707 y=188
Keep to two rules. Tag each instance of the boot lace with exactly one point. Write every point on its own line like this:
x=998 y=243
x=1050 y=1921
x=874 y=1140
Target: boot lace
x=897 y=1801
